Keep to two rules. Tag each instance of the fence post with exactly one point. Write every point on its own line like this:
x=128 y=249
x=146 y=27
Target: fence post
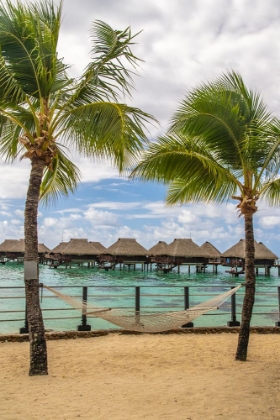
x=25 y=329
x=186 y=306
x=277 y=323
x=233 y=322
x=137 y=299
x=84 y=326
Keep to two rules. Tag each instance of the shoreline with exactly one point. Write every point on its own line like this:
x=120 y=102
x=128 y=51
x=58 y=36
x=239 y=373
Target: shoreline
x=73 y=334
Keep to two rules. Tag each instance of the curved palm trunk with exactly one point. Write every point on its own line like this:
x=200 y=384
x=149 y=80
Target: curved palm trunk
x=38 y=348
x=249 y=298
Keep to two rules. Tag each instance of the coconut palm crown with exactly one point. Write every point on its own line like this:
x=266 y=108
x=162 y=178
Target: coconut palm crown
x=222 y=145
x=44 y=114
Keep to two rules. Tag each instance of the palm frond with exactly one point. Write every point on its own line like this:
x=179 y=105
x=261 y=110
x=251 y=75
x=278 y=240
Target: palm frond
x=28 y=40
x=60 y=180
x=16 y=123
x=271 y=192
x=105 y=130
x=201 y=188
x=181 y=157
x=107 y=75
x=10 y=147
x=230 y=119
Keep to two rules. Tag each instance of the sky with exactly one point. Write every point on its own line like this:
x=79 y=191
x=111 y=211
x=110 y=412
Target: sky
x=183 y=43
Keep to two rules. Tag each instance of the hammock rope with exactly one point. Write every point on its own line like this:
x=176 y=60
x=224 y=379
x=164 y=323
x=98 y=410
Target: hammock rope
x=150 y=322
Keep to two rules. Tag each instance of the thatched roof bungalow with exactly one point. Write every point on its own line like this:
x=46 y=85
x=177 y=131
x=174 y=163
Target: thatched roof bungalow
x=7 y=246
x=74 y=251
x=157 y=249
x=185 y=251
x=79 y=250
x=179 y=252
x=127 y=247
x=125 y=251
x=211 y=250
x=264 y=255
x=236 y=255
x=15 y=248
x=80 y=247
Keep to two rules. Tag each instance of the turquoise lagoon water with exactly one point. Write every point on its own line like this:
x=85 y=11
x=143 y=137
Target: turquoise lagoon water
x=159 y=292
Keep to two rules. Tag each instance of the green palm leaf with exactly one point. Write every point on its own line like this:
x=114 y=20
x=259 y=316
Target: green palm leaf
x=61 y=179
x=29 y=36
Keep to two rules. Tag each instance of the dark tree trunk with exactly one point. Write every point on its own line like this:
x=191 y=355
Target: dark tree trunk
x=38 y=347
x=249 y=297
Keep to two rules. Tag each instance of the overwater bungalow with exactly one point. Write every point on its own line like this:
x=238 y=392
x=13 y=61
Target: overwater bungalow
x=234 y=257
x=124 y=252
x=181 y=252
x=14 y=249
x=6 y=247
x=214 y=258
x=16 y=252
x=264 y=258
x=156 y=251
x=76 y=251
x=54 y=257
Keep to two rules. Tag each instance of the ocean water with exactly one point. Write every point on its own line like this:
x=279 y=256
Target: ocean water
x=116 y=289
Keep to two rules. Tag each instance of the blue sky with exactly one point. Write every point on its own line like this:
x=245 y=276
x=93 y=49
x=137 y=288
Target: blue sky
x=183 y=43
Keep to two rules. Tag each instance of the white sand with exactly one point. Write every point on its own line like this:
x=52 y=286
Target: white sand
x=127 y=377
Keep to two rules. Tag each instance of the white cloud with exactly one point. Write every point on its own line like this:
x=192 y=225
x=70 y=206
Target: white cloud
x=14 y=179
x=15 y=221
x=69 y=210
x=5 y=213
x=116 y=205
x=269 y=222
x=50 y=221
x=100 y=218
x=187 y=216
x=19 y=213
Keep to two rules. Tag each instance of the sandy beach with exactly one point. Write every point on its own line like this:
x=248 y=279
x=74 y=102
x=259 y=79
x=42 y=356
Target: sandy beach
x=129 y=377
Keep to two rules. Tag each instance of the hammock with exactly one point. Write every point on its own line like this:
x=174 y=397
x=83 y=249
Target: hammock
x=151 y=322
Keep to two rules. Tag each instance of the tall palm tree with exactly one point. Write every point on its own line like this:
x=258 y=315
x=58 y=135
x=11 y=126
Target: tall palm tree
x=44 y=112
x=222 y=144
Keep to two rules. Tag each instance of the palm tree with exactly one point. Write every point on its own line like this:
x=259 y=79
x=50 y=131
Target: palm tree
x=44 y=112
x=222 y=144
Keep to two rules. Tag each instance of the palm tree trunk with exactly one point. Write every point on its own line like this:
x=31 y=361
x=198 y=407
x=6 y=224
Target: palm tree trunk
x=249 y=297
x=38 y=347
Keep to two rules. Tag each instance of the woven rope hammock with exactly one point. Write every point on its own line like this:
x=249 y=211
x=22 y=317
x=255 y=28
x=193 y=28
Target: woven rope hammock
x=151 y=322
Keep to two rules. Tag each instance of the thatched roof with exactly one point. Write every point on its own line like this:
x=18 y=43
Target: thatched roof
x=79 y=247
x=210 y=250
x=126 y=247
x=42 y=248
x=19 y=246
x=184 y=248
x=99 y=246
x=59 y=248
x=158 y=249
x=8 y=245
x=238 y=251
x=263 y=253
